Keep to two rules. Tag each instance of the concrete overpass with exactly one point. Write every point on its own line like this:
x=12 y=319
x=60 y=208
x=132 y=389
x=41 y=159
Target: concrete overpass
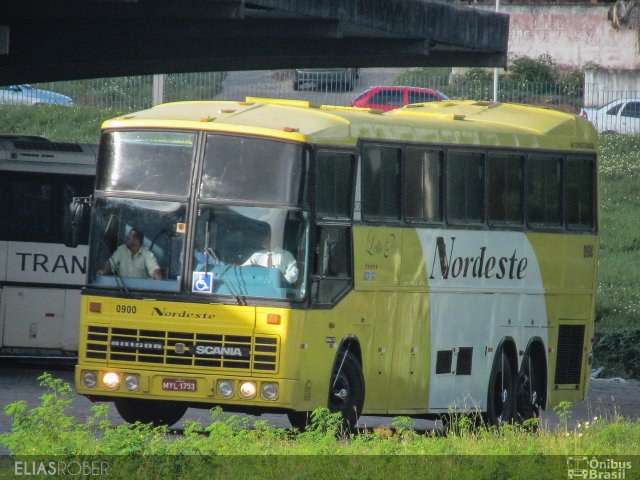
x=49 y=40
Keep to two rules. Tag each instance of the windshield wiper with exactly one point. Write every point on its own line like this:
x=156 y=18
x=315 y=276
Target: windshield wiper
x=231 y=285
x=119 y=280
x=209 y=252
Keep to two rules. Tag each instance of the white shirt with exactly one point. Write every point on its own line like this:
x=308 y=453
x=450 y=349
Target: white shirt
x=140 y=265
x=281 y=259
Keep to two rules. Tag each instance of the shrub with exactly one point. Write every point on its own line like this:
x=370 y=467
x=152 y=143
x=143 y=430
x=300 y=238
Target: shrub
x=619 y=352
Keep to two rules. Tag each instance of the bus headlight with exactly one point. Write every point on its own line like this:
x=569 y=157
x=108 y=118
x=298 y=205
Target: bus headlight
x=248 y=390
x=89 y=379
x=225 y=388
x=111 y=380
x=269 y=391
x=132 y=382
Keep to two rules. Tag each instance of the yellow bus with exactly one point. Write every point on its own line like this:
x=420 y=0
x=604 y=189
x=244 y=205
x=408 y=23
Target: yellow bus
x=434 y=259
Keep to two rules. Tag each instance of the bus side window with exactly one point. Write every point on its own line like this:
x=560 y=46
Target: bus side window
x=332 y=270
x=465 y=188
x=381 y=184
x=544 y=191
x=423 y=185
x=4 y=212
x=580 y=196
x=505 y=173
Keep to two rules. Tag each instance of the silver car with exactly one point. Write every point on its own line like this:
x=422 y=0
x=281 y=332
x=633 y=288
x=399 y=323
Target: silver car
x=27 y=95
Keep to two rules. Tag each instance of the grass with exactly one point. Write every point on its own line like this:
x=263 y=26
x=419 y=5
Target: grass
x=50 y=432
x=61 y=124
x=618 y=298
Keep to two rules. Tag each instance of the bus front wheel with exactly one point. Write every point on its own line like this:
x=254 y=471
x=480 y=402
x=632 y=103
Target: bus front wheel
x=299 y=420
x=501 y=396
x=150 y=411
x=346 y=389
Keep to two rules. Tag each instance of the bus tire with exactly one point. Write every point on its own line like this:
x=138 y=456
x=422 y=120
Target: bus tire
x=299 y=420
x=501 y=394
x=531 y=388
x=150 y=411
x=346 y=390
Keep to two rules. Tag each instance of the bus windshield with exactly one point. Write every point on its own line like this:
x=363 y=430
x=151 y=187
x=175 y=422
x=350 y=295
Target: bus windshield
x=150 y=261
x=146 y=161
x=250 y=252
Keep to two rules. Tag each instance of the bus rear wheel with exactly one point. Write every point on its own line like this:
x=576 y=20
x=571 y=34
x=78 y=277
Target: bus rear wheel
x=501 y=395
x=346 y=389
x=531 y=385
x=150 y=411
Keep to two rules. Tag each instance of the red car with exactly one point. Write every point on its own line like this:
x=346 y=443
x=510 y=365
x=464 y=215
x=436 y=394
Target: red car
x=388 y=98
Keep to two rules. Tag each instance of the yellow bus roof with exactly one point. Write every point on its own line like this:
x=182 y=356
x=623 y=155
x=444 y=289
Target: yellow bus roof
x=454 y=122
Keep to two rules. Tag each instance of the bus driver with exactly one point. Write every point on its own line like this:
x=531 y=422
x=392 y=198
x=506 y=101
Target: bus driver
x=273 y=256
x=132 y=259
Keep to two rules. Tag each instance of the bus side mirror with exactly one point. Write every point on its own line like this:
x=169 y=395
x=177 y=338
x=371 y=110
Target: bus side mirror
x=76 y=221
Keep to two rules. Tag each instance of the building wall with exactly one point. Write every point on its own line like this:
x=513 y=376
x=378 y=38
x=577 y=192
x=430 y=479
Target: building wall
x=603 y=86
x=573 y=35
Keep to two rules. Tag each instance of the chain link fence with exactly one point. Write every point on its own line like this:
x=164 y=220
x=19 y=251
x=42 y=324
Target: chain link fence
x=139 y=92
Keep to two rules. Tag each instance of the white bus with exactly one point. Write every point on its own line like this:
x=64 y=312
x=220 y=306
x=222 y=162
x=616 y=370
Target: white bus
x=40 y=277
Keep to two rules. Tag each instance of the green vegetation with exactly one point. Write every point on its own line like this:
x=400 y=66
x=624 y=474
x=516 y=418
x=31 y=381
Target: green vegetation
x=50 y=429
x=136 y=92
x=617 y=345
x=535 y=81
x=61 y=124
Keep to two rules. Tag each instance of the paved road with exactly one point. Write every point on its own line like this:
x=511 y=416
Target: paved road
x=605 y=399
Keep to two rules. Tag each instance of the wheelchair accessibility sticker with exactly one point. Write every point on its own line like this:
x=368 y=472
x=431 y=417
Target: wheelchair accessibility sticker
x=202 y=282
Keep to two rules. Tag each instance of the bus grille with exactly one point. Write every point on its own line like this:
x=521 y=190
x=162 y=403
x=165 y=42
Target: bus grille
x=570 y=349
x=157 y=347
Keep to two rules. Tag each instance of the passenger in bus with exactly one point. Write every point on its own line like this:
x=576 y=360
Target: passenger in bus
x=132 y=259
x=274 y=256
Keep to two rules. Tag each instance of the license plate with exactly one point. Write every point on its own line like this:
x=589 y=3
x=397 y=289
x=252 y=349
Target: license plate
x=179 y=384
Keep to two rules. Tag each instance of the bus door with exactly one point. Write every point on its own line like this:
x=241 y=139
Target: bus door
x=377 y=276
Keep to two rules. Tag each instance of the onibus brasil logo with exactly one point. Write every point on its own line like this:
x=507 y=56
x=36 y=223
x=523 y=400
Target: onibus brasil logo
x=597 y=468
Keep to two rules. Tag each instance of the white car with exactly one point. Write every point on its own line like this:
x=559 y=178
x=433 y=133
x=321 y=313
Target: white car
x=620 y=116
x=27 y=95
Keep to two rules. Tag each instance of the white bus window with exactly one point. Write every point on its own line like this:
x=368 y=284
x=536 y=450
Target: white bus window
x=36 y=205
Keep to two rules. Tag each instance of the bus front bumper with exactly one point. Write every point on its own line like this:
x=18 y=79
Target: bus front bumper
x=195 y=387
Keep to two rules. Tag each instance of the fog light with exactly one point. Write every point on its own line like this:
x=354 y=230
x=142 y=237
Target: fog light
x=225 y=388
x=248 y=389
x=132 y=382
x=269 y=391
x=111 y=380
x=90 y=379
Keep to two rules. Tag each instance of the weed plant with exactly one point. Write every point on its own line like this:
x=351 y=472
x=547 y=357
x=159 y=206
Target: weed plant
x=50 y=429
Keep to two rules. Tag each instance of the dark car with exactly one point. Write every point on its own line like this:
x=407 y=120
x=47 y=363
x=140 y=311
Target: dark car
x=340 y=78
x=388 y=98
